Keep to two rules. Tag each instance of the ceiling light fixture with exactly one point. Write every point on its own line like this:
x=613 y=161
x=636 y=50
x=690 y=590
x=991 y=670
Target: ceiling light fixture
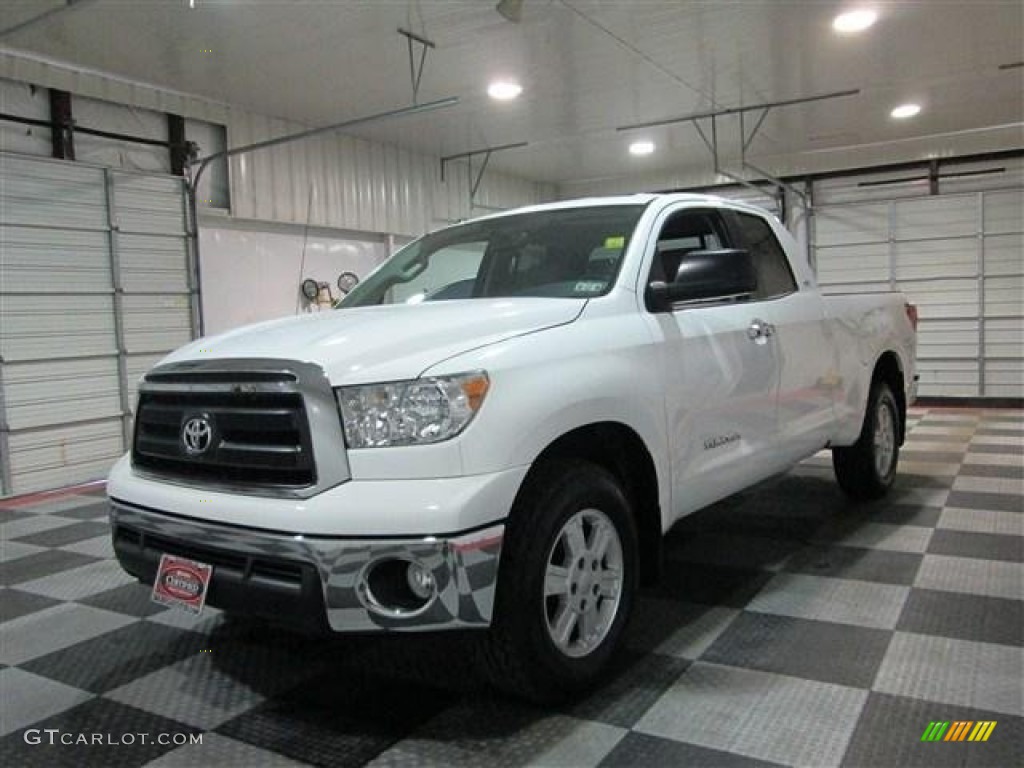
x=903 y=111
x=504 y=90
x=854 y=21
x=640 y=148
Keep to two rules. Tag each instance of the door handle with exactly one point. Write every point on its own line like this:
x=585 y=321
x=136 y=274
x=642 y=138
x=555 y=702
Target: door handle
x=759 y=329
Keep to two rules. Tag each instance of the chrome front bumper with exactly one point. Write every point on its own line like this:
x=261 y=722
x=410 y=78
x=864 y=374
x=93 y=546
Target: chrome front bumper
x=247 y=562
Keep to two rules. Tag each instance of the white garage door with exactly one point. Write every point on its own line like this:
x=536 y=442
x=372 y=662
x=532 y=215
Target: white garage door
x=958 y=255
x=94 y=287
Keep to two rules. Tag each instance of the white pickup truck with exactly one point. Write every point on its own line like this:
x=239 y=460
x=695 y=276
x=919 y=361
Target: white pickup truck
x=499 y=424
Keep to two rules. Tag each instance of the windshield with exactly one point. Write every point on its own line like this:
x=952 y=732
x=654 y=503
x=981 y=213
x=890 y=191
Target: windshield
x=566 y=253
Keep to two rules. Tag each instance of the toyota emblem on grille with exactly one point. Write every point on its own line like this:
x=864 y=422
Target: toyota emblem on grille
x=197 y=435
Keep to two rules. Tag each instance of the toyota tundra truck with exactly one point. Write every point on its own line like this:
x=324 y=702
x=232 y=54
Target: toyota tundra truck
x=497 y=426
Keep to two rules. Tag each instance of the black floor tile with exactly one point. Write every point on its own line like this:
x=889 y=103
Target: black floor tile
x=636 y=682
x=10 y=515
x=1002 y=502
x=115 y=723
x=967 y=617
x=131 y=599
x=890 y=728
x=14 y=603
x=338 y=721
x=86 y=511
x=639 y=749
x=985 y=546
x=939 y=457
x=815 y=650
x=67 y=534
x=41 y=564
x=855 y=563
x=710 y=584
x=906 y=514
x=118 y=657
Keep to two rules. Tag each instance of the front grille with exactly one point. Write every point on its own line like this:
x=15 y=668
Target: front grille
x=258 y=439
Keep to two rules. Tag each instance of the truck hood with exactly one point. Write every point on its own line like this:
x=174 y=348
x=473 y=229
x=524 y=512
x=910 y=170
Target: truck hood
x=388 y=343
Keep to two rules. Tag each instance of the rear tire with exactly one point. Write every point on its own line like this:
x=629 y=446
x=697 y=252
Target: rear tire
x=866 y=470
x=566 y=582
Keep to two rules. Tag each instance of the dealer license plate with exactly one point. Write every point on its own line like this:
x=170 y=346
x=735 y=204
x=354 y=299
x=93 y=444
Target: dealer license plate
x=182 y=583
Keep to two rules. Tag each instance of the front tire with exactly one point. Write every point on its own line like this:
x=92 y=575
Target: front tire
x=566 y=582
x=866 y=470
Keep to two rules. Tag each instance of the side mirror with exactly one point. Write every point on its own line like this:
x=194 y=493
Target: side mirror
x=703 y=275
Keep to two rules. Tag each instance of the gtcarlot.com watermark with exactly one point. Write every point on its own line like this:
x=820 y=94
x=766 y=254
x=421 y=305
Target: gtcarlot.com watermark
x=54 y=736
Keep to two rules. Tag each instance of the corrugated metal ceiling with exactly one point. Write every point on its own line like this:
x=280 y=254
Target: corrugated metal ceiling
x=587 y=66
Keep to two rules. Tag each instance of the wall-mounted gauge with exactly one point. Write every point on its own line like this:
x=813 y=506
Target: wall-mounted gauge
x=347 y=281
x=310 y=288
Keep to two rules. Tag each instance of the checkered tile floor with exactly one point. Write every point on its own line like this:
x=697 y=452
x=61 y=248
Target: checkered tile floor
x=790 y=628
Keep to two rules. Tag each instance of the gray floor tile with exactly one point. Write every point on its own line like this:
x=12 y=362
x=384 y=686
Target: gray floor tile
x=80 y=582
x=67 y=534
x=122 y=744
x=985 y=546
x=794 y=647
x=52 y=629
x=14 y=550
x=976 y=500
x=41 y=565
x=870 y=535
x=99 y=546
x=970 y=575
x=856 y=563
x=636 y=682
x=675 y=628
x=757 y=714
x=27 y=526
x=982 y=521
x=93 y=510
x=131 y=599
x=117 y=658
x=640 y=749
x=221 y=752
x=733 y=551
x=890 y=729
x=859 y=603
x=15 y=603
x=950 y=671
x=992 y=470
x=28 y=698
x=967 y=617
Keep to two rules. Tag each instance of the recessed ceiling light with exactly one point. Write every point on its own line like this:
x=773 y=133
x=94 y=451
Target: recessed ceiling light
x=504 y=90
x=903 y=111
x=641 y=148
x=854 y=21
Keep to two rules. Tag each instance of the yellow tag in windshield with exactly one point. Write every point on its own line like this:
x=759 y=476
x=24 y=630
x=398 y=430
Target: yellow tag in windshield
x=614 y=242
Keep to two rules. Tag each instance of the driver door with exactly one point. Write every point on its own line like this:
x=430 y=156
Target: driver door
x=721 y=374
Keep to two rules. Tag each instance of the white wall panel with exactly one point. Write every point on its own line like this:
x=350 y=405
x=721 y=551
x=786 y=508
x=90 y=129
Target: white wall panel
x=36 y=393
x=27 y=101
x=252 y=271
x=936 y=217
x=51 y=458
x=36 y=260
x=958 y=256
x=71 y=234
x=356 y=184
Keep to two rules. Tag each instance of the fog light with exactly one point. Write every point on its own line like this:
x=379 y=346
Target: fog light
x=420 y=580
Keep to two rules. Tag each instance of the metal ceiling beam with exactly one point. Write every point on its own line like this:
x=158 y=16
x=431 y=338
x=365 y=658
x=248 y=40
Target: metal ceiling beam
x=416 y=73
x=68 y=5
x=739 y=110
x=204 y=162
x=474 y=182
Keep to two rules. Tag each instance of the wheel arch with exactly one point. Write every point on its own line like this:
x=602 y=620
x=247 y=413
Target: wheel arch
x=618 y=449
x=889 y=369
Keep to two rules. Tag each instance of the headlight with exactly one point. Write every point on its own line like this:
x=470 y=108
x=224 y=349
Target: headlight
x=410 y=412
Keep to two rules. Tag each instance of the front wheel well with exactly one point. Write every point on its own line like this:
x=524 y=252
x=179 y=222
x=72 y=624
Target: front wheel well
x=621 y=451
x=889 y=370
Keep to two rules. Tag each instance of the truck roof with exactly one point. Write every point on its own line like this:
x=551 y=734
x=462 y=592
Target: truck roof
x=640 y=198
